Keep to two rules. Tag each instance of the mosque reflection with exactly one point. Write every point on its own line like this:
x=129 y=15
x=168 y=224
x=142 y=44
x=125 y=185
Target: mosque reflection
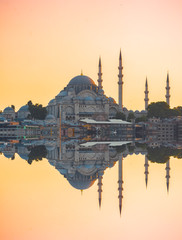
x=84 y=163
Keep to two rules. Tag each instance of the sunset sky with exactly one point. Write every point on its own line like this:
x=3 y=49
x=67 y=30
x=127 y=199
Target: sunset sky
x=43 y=44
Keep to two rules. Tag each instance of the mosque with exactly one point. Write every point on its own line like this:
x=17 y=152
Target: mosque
x=82 y=98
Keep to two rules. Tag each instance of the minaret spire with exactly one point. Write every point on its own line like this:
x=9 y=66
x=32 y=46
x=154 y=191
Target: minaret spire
x=100 y=190
x=146 y=170
x=120 y=83
x=146 y=94
x=167 y=90
x=120 y=181
x=100 y=75
x=167 y=174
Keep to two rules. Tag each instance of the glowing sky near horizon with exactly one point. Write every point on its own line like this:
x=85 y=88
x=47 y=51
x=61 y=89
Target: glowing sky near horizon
x=37 y=202
x=44 y=44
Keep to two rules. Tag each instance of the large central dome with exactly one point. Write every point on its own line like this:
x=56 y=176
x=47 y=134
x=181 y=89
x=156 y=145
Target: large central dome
x=81 y=80
x=81 y=83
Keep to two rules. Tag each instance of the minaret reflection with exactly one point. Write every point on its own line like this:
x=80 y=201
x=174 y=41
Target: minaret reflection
x=120 y=181
x=167 y=174
x=146 y=170
x=100 y=190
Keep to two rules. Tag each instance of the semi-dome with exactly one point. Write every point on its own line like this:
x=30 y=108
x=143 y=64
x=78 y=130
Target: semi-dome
x=81 y=80
x=98 y=98
x=62 y=94
x=51 y=101
x=89 y=98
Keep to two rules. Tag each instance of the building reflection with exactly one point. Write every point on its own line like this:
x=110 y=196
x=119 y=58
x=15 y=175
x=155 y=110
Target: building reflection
x=84 y=163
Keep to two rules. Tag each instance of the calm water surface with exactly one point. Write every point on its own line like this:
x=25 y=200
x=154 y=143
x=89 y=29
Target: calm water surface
x=38 y=202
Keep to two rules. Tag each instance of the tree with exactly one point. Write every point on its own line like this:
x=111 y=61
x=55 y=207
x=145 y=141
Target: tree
x=141 y=119
x=131 y=116
x=162 y=154
x=37 y=153
x=159 y=110
x=12 y=106
x=178 y=110
x=37 y=111
x=120 y=115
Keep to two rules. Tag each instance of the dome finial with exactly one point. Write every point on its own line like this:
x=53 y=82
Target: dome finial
x=81 y=72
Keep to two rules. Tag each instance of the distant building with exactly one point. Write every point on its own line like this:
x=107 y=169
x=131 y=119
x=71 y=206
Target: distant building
x=9 y=114
x=23 y=112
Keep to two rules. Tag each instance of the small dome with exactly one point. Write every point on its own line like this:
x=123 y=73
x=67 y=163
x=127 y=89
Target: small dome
x=137 y=111
x=9 y=109
x=50 y=117
x=81 y=80
x=143 y=111
x=8 y=155
x=24 y=108
x=112 y=100
x=125 y=109
x=24 y=156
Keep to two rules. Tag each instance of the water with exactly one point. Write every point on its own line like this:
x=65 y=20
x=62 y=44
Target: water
x=39 y=202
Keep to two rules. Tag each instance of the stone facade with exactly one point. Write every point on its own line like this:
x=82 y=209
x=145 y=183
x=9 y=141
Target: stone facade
x=80 y=99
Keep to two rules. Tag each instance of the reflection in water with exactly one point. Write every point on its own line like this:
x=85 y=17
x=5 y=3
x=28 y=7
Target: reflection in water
x=83 y=163
x=146 y=169
x=167 y=174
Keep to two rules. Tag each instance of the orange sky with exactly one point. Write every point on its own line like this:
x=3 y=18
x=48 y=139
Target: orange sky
x=44 y=44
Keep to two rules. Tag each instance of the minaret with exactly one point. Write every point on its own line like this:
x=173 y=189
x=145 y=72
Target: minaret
x=146 y=95
x=167 y=174
x=120 y=83
x=100 y=75
x=168 y=102
x=167 y=90
x=146 y=170
x=120 y=181
x=100 y=190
